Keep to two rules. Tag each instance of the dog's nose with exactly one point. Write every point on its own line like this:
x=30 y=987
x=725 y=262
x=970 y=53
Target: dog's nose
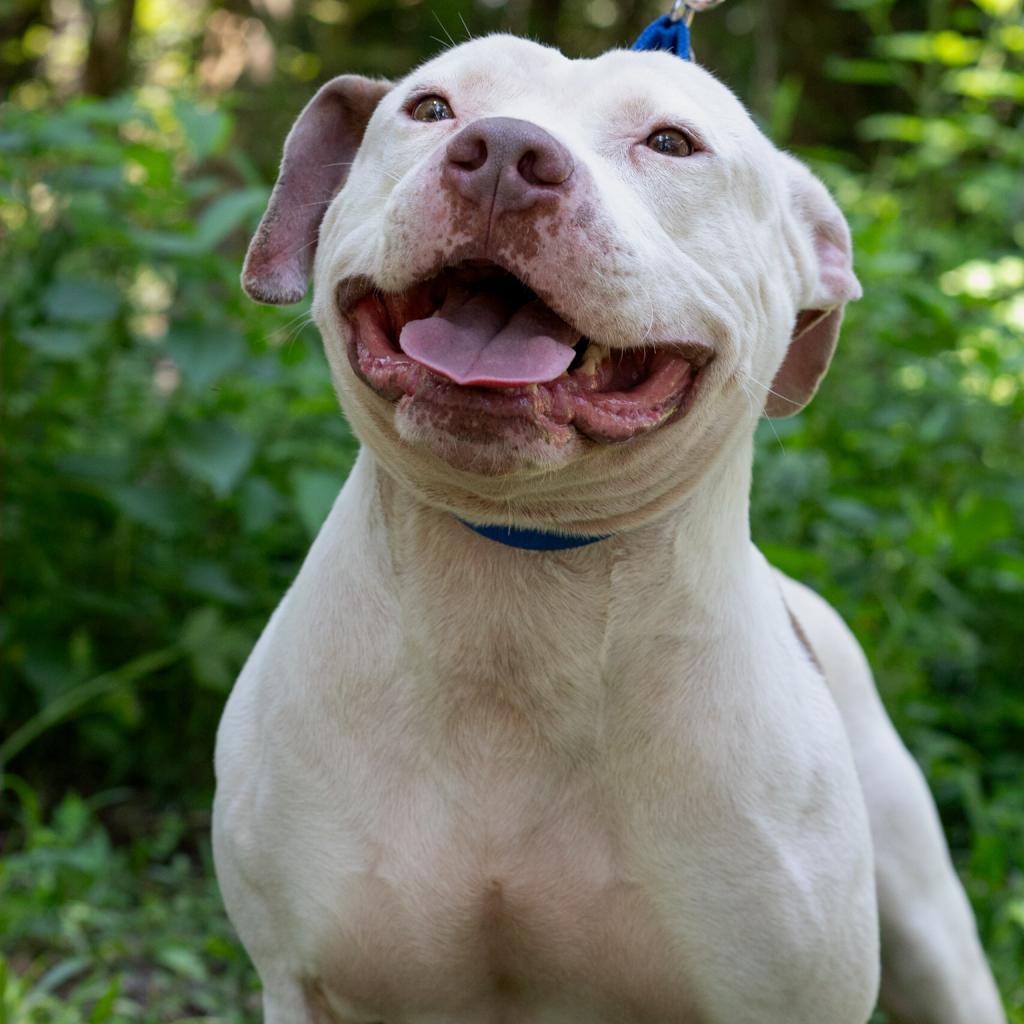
x=511 y=162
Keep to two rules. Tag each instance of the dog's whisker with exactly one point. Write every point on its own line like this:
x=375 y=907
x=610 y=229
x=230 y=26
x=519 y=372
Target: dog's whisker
x=303 y=248
x=653 y=312
x=327 y=202
x=293 y=327
x=298 y=316
x=749 y=397
x=753 y=407
x=782 y=447
x=443 y=29
x=754 y=380
x=296 y=332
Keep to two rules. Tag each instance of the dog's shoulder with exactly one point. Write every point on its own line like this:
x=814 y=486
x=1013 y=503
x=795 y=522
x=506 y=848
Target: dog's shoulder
x=831 y=643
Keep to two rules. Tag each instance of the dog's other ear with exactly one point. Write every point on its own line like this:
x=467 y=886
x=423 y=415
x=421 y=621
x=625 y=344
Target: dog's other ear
x=317 y=154
x=817 y=325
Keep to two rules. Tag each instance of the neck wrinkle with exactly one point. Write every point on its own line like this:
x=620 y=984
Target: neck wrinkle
x=703 y=545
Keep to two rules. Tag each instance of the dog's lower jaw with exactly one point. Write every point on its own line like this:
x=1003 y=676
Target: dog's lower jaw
x=589 y=489
x=482 y=446
x=682 y=532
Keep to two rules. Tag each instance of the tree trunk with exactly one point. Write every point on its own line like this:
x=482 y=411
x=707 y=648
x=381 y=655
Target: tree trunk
x=107 y=67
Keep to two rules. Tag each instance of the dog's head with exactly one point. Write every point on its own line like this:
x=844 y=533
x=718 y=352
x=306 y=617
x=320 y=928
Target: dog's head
x=552 y=290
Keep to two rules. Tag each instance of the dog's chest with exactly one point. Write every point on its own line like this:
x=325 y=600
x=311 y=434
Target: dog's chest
x=496 y=900
x=494 y=882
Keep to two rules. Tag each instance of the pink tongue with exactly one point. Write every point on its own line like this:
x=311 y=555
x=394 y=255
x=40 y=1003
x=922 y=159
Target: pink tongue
x=481 y=340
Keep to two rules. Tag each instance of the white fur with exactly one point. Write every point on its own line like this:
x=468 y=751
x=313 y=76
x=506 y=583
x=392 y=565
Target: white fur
x=463 y=783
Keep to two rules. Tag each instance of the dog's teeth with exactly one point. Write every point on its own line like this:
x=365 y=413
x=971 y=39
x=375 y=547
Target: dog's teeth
x=593 y=358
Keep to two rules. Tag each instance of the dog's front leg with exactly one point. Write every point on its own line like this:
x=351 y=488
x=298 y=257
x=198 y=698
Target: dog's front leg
x=292 y=1002
x=933 y=966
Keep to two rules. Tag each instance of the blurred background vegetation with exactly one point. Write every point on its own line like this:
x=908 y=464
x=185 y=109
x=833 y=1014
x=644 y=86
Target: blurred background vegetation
x=169 y=449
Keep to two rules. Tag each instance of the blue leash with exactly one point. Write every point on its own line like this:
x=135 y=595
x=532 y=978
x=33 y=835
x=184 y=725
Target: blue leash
x=670 y=32
x=666 y=33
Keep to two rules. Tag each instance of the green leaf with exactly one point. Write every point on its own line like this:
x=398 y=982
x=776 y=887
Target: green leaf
x=206 y=128
x=80 y=300
x=980 y=524
x=897 y=127
x=211 y=579
x=949 y=48
x=71 y=819
x=855 y=515
x=167 y=243
x=204 y=353
x=12 y=141
x=65 y=344
x=228 y=212
x=987 y=83
x=214 y=452
x=61 y=973
x=183 y=962
x=861 y=72
x=103 y=1011
x=160 y=508
x=314 y=493
x=215 y=649
x=67 y=703
x=224 y=215
x=258 y=504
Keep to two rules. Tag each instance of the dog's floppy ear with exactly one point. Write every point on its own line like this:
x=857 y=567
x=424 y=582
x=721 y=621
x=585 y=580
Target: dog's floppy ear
x=817 y=325
x=317 y=154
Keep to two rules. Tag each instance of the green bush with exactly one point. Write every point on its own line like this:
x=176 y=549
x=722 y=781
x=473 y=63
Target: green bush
x=899 y=493
x=95 y=932
x=171 y=447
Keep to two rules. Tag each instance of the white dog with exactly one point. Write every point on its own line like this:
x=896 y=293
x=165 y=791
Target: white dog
x=646 y=779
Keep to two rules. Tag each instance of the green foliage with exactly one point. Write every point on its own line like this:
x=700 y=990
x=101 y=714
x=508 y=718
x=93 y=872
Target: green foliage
x=169 y=449
x=171 y=446
x=95 y=931
x=899 y=493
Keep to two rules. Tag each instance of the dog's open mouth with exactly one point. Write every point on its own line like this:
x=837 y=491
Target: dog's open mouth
x=474 y=337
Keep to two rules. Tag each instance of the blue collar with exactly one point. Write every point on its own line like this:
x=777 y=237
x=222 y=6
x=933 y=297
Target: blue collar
x=532 y=540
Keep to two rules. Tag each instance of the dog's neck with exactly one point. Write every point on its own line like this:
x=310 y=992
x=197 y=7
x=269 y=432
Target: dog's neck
x=701 y=546
x=507 y=643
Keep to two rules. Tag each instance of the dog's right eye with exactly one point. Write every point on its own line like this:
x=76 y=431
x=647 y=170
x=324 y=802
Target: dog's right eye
x=671 y=142
x=432 y=108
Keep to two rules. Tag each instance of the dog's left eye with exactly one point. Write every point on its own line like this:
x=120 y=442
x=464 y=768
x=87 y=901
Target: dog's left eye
x=433 y=108
x=671 y=142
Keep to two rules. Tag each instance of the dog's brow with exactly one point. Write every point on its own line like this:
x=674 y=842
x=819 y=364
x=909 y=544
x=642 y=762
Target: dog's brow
x=424 y=88
x=637 y=108
x=641 y=111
